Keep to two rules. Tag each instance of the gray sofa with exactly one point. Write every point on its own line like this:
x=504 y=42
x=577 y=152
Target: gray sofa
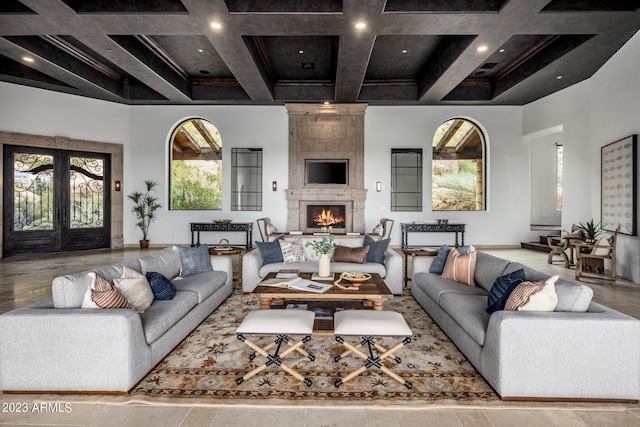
x=54 y=345
x=583 y=350
x=253 y=269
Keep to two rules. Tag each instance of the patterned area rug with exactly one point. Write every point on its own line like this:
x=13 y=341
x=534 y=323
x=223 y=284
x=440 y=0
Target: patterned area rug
x=208 y=362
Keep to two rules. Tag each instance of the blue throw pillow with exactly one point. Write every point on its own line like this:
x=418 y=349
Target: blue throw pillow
x=270 y=251
x=161 y=287
x=502 y=288
x=437 y=266
x=194 y=260
x=377 y=248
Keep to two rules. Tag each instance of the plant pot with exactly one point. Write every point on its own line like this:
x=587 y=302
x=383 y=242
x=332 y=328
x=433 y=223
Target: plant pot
x=324 y=265
x=144 y=244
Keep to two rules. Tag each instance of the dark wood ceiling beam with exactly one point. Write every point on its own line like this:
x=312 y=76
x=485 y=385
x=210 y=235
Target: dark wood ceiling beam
x=84 y=81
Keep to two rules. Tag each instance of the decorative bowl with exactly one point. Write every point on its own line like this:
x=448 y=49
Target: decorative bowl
x=222 y=221
x=355 y=277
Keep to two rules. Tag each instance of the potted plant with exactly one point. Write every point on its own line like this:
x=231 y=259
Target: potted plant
x=145 y=208
x=322 y=249
x=591 y=230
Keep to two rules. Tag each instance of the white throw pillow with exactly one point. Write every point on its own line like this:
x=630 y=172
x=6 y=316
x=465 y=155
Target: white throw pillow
x=545 y=300
x=602 y=248
x=292 y=251
x=136 y=289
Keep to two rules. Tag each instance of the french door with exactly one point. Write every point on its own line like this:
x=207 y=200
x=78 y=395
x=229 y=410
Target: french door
x=55 y=200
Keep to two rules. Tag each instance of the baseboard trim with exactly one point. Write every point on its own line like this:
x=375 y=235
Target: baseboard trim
x=565 y=399
x=111 y=393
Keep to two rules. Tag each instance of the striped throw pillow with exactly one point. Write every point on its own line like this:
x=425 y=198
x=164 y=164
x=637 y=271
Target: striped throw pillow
x=105 y=295
x=521 y=294
x=461 y=268
x=292 y=251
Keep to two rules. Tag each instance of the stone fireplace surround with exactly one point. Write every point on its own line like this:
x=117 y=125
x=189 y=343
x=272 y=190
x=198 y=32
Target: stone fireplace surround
x=326 y=132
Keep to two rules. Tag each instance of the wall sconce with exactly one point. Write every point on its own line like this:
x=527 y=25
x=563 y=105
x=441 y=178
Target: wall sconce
x=274 y=185
x=118 y=186
x=378 y=186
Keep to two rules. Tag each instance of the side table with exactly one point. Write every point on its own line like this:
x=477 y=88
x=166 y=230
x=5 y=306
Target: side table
x=230 y=252
x=414 y=252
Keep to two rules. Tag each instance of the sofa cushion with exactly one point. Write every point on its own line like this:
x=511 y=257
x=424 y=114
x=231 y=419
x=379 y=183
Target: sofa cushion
x=437 y=266
x=531 y=274
x=488 y=269
x=161 y=287
x=573 y=297
x=312 y=267
x=194 y=260
x=162 y=315
x=353 y=255
x=460 y=268
x=435 y=286
x=377 y=249
x=469 y=311
x=203 y=284
x=270 y=252
x=502 y=288
x=292 y=251
x=165 y=262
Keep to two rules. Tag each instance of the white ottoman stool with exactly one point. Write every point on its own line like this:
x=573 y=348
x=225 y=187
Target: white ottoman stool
x=369 y=324
x=280 y=323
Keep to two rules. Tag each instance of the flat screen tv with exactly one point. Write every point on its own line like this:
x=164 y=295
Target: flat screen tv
x=327 y=171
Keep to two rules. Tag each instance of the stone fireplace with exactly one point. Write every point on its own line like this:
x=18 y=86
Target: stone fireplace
x=329 y=137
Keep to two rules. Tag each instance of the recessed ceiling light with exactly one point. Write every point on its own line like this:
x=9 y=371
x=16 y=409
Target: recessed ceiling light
x=483 y=48
x=301 y=51
x=108 y=50
x=404 y=50
x=27 y=59
x=361 y=25
x=204 y=72
x=216 y=25
x=559 y=77
x=200 y=50
x=326 y=103
x=501 y=50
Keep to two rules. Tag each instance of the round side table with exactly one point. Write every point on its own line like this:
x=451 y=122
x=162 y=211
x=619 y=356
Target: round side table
x=230 y=251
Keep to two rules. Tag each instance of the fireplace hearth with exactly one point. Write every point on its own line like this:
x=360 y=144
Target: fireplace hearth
x=319 y=216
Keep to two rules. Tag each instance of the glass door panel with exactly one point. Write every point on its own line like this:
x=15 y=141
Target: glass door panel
x=33 y=192
x=86 y=192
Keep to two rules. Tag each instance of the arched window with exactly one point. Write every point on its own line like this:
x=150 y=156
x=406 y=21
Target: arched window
x=458 y=167
x=195 y=179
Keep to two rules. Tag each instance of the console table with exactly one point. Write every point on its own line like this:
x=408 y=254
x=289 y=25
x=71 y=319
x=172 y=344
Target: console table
x=245 y=227
x=410 y=227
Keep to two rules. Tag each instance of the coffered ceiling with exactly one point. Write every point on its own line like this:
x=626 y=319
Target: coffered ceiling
x=407 y=52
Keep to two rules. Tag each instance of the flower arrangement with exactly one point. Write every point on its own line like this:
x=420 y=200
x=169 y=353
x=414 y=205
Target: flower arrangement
x=322 y=247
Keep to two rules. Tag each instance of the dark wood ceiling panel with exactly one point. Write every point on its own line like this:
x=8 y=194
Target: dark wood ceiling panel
x=400 y=57
x=126 y=6
x=27 y=75
x=444 y=5
x=195 y=55
x=284 y=6
x=14 y=6
x=305 y=58
x=591 y=5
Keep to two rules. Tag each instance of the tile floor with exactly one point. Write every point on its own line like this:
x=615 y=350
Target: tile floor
x=27 y=279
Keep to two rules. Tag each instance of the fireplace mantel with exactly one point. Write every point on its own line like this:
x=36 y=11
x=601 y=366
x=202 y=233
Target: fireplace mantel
x=326 y=132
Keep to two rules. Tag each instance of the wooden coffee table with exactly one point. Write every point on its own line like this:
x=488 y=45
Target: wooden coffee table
x=374 y=291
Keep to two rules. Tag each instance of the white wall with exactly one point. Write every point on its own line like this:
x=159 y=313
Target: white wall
x=594 y=113
x=543 y=180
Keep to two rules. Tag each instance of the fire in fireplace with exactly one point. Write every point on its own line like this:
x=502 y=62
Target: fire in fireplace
x=326 y=216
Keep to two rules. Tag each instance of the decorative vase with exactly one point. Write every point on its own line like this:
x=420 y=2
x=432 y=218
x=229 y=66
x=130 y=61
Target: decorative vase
x=144 y=244
x=324 y=265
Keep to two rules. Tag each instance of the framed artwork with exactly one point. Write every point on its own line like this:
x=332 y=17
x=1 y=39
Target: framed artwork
x=618 y=185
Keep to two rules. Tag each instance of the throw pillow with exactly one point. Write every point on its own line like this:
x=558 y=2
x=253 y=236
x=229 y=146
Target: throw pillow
x=135 y=288
x=270 y=251
x=102 y=294
x=461 y=268
x=502 y=288
x=437 y=266
x=194 y=260
x=292 y=251
x=161 y=287
x=545 y=300
x=347 y=254
x=377 y=230
x=377 y=249
x=271 y=229
x=602 y=247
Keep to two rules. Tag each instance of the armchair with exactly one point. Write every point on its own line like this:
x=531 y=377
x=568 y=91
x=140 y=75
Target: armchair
x=590 y=258
x=265 y=227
